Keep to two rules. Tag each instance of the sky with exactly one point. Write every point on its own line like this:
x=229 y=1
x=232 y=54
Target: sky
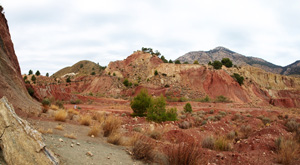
x=49 y=35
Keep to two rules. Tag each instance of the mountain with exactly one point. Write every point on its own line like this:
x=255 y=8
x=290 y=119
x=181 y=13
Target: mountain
x=218 y=53
x=11 y=82
x=84 y=67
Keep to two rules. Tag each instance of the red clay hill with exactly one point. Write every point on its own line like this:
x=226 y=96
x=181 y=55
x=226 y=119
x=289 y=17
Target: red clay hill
x=176 y=82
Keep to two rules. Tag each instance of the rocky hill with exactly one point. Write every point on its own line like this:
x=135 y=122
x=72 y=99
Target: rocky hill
x=218 y=53
x=84 y=67
x=11 y=82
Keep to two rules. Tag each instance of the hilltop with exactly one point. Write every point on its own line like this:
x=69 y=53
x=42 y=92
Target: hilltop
x=218 y=53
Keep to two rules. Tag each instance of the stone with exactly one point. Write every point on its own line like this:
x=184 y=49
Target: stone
x=89 y=153
x=61 y=140
x=78 y=143
x=20 y=143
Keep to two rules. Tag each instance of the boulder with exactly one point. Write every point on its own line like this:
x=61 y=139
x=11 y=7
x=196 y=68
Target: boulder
x=19 y=142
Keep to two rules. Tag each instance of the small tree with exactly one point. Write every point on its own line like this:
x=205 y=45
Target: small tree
x=227 y=62
x=170 y=61
x=217 y=64
x=126 y=82
x=188 y=108
x=209 y=63
x=140 y=103
x=164 y=59
x=238 y=78
x=37 y=73
x=93 y=73
x=68 y=80
x=196 y=62
x=186 y=62
x=25 y=78
x=33 y=78
x=47 y=74
x=177 y=62
x=155 y=73
x=30 y=72
x=157 y=111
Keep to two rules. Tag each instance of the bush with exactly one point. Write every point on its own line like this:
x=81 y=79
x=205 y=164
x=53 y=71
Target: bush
x=164 y=59
x=155 y=73
x=94 y=130
x=177 y=62
x=68 y=80
x=292 y=126
x=75 y=101
x=184 y=153
x=140 y=103
x=231 y=135
x=246 y=130
x=86 y=120
x=47 y=74
x=111 y=125
x=157 y=111
x=30 y=91
x=188 y=108
x=196 y=62
x=221 y=99
x=61 y=115
x=142 y=149
x=217 y=65
x=287 y=150
x=33 y=78
x=126 y=82
x=46 y=101
x=266 y=120
x=30 y=72
x=206 y=99
x=115 y=138
x=208 y=142
x=170 y=61
x=93 y=73
x=238 y=78
x=221 y=144
x=227 y=62
x=25 y=78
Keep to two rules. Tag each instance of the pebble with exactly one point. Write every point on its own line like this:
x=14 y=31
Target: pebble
x=92 y=136
x=78 y=143
x=89 y=153
x=60 y=139
x=72 y=145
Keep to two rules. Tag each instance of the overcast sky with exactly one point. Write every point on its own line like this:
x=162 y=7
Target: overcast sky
x=51 y=34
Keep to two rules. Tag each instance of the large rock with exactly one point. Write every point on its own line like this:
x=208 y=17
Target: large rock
x=21 y=144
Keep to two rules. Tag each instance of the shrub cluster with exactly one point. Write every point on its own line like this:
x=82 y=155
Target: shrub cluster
x=238 y=78
x=218 y=64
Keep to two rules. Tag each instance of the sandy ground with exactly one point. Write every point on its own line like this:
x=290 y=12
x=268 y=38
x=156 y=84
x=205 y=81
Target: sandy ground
x=103 y=152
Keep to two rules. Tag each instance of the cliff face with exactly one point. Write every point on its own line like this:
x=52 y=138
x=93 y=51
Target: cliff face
x=11 y=83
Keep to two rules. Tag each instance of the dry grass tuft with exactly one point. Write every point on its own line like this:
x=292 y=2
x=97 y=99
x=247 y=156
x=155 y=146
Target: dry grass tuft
x=71 y=136
x=99 y=116
x=131 y=140
x=86 y=120
x=95 y=130
x=184 y=153
x=49 y=131
x=208 y=142
x=222 y=144
x=111 y=125
x=61 y=115
x=287 y=150
x=59 y=127
x=115 y=138
x=73 y=112
x=54 y=107
x=143 y=149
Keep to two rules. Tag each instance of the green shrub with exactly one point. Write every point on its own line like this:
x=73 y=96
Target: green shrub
x=177 y=62
x=182 y=99
x=47 y=74
x=126 y=82
x=266 y=120
x=217 y=64
x=211 y=111
x=93 y=73
x=155 y=73
x=196 y=62
x=238 y=78
x=206 y=99
x=30 y=72
x=46 y=101
x=221 y=99
x=25 y=78
x=188 y=108
x=221 y=144
x=60 y=104
x=222 y=113
x=33 y=78
x=75 y=101
x=114 y=74
x=140 y=103
x=170 y=61
x=157 y=111
x=30 y=91
x=68 y=80
x=227 y=62
x=292 y=126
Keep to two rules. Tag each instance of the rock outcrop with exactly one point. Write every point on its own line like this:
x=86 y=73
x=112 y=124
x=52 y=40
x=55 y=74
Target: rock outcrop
x=11 y=83
x=21 y=144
